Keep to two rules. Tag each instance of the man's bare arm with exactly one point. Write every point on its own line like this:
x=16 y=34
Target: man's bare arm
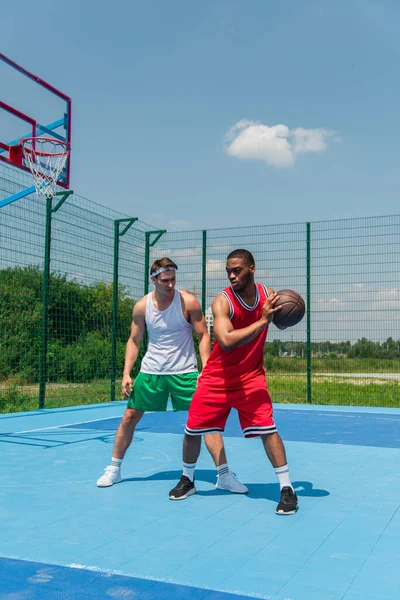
x=230 y=338
x=133 y=345
x=200 y=327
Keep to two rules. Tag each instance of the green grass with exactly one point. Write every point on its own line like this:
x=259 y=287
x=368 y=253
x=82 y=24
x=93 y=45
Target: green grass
x=332 y=365
x=285 y=387
x=17 y=398
x=334 y=391
x=13 y=398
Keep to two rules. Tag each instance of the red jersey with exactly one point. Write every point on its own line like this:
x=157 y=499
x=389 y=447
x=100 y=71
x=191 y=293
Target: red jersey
x=241 y=365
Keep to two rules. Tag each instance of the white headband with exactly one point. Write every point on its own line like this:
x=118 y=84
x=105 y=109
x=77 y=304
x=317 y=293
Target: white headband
x=161 y=270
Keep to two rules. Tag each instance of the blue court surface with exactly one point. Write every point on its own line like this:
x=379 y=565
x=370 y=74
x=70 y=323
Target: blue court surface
x=62 y=537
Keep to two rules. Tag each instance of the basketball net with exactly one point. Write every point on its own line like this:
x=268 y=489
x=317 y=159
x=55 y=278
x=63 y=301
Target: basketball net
x=46 y=158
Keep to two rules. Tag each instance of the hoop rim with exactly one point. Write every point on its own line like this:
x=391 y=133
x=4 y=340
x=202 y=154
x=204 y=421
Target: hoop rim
x=44 y=139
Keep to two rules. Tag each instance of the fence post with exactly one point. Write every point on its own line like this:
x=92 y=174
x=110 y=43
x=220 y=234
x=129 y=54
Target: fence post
x=45 y=294
x=309 y=383
x=204 y=273
x=149 y=244
x=117 y=235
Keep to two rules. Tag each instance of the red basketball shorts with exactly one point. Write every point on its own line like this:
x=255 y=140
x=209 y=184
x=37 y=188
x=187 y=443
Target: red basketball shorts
x=210 y=408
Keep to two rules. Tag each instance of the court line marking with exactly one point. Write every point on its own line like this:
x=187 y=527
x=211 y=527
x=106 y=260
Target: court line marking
x=64 y=425
x=71 y=424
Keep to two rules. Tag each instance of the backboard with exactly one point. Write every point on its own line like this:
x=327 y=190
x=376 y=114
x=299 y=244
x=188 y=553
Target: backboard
x=30 y=107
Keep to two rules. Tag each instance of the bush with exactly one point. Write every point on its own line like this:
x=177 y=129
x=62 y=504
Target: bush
x=79 y=326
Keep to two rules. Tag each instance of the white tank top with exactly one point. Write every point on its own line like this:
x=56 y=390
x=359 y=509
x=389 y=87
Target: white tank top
x=171 y=348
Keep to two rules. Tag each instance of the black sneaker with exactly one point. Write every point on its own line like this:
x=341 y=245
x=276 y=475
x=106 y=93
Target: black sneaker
x=288 y=502
x=184 y=489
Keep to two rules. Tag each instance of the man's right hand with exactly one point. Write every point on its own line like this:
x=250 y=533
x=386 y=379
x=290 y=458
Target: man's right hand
x=126 y=385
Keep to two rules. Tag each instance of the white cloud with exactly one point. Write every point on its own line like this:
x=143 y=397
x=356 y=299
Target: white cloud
x=216 y=266
x=178 y=254
x=329 y=304
x=277 y=145
x=387 y=299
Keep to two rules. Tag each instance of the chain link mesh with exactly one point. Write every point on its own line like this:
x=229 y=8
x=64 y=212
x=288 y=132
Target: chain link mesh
x=347 y=271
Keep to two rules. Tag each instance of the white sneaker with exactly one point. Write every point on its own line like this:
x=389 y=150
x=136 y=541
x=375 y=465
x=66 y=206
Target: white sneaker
x=111 y=475
x=230 y=483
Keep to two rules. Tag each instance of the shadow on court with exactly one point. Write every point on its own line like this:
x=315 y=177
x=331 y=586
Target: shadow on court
x=269 y=491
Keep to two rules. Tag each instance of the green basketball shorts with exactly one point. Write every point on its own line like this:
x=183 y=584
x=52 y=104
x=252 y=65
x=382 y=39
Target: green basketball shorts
x=151 y=392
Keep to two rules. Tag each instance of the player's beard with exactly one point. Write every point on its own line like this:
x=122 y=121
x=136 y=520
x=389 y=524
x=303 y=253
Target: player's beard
x=246 y=283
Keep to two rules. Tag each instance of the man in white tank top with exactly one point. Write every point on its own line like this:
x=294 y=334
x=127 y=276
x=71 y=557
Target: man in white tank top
x=169 y=368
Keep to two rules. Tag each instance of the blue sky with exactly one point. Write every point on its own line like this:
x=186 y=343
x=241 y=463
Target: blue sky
x=219 y=113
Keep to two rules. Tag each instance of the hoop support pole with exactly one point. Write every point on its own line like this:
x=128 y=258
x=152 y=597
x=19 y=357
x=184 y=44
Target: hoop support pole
x=114 y=329
x=17 y=196
x=45 y=295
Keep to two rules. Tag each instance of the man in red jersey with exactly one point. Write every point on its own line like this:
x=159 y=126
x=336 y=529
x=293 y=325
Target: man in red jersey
x=234 y=378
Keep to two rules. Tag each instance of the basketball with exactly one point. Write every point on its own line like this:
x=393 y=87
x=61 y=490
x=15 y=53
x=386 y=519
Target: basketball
x=292 y=311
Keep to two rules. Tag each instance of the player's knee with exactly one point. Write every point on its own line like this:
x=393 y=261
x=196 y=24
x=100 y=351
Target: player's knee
x=131 y=417
x=270 y=438
x=213 y=439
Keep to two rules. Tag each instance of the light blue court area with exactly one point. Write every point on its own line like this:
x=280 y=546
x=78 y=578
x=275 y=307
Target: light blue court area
x=62 y=537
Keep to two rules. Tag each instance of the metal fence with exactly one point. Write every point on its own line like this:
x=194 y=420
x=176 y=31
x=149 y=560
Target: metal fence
x=70 y=273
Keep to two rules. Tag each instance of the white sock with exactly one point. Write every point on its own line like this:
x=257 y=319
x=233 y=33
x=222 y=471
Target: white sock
x=222 y=469
x=188 y=470
x=282 y=474
x=116 y=462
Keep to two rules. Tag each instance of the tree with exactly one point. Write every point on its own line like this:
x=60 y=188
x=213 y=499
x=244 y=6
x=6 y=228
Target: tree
x=79 y=317
x=364 y=349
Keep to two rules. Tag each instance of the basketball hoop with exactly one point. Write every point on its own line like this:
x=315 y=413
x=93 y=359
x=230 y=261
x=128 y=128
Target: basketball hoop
x=46 y=158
